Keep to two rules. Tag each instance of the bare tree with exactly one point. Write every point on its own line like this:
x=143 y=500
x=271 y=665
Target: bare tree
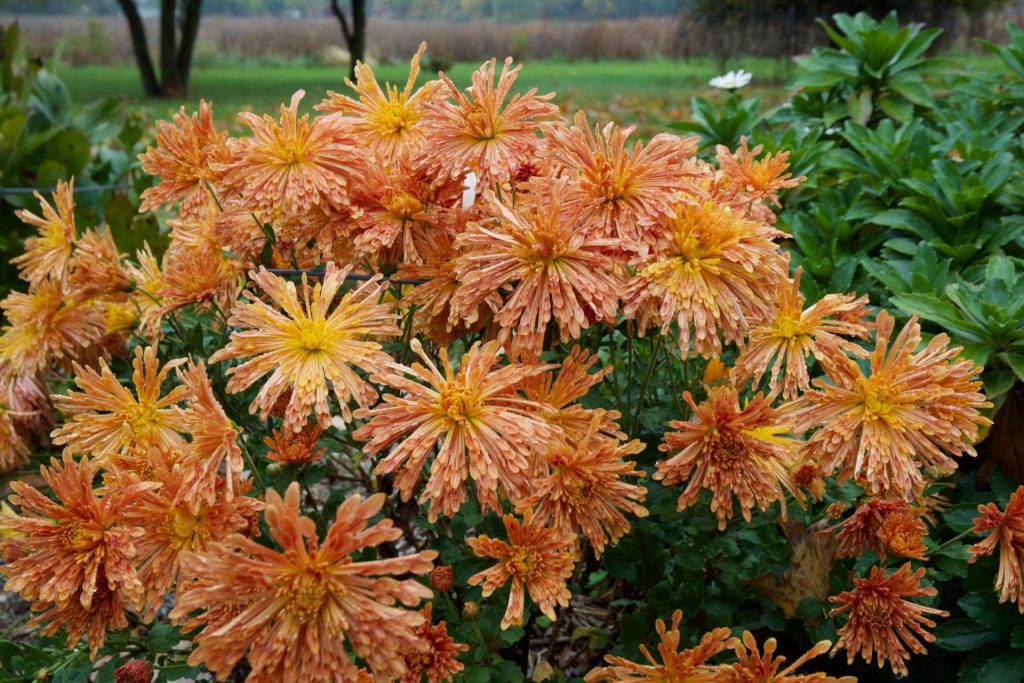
x=353 y=30
x=179 y=27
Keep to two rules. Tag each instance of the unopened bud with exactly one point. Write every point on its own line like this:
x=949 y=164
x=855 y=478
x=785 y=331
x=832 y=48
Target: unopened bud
x=273 y=469
x=441 y=578
x=471 y=610
x=135 y=671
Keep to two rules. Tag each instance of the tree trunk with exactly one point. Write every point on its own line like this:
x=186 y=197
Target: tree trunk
x=140 y=46
x=192 y=11
x=170 y=77
x=354 y=33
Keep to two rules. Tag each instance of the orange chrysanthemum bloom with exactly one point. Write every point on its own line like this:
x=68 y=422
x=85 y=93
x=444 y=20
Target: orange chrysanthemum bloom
x=480 y=132
x=675 y=665
x=308 y=347
x=390 y=121
x=47 y=255
x=105 y=418
x=710 y=278
x=95 y=268
x=756 y=180
x=184 y=158
x=295 y=611
x=617 y=192
x=148 y=282
x=481 y=426
x=289 y=448
x=1005 y=530
x=888 y=527
x=537 y=558
x=75 y=557
x=559 y=392
x=46 y=326
x=28 y=405
x=582 y=488
x=555 y=272
x=289 y=166
x=882 y=623
x=756 y=666
x=744 y=453
x=912 y=411
x=14 y=451
x=175 y=522
x=439 y=659
x=793 y=333
x=214 y=436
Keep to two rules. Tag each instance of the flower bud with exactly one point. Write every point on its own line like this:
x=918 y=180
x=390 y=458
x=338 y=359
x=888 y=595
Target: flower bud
x=441 y=578
x=135 y=671
x=471 y=610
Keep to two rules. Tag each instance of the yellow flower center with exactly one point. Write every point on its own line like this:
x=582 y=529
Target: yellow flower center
x=457 y=403
x=525 y=563
x=307 y=593
x=312 y=336
x=612 y=185
x=183 y=527
x=77 y=536
x=394 y=118
x=875 y=613
x=480 y=126
x=876 y=399
x=578 y=492
x=142 y=419
x=787 y=327
x=404 y=206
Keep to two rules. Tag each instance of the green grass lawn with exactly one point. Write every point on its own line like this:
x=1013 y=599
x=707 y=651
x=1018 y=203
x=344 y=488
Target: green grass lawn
x=647 y=93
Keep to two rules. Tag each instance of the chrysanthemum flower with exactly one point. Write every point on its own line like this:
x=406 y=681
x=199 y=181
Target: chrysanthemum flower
x=482 y=428
x=537 y=558
x=882 y=623
x=289 y=448
x=13 y=450
x=293 y=613
x=756 y=180
x=556 y=273
x=184 y=158
x=147 y=281
x=214 y=436
x=479 y=131
x=559 y=392
x=289 y=166
x=438 y=657
x=912 y=411
x=1005 y=531
x=675 y=665
x=582 y=488
x=792 y=333
x=711 y=277
x=306 y=346
x=28 y=405
x=756 y=666
x=46 y=326
x=618 y=192
x=390 y=121
x=742 y=452
x=95 y=268
x=76 y=557
x=47 y=255
x=198 y=276
x=174 y=522
x=888 y=527
x=106 y=418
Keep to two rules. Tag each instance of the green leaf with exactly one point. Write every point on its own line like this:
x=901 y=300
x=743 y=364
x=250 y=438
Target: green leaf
x=1006 y=667
x=161 y=638
x=963 y=634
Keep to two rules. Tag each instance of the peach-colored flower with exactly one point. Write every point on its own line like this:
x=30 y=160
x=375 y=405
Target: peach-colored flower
x=28 y=405
x=214 y=436
x=537 y=558
x=756 y=180
x=106 y=418
x=289 y=166
x=756 y=666
x=75 y=557
x=438 y=660
x=95 y=268
x=743 y=452
x=555 y=272
x=888 y=527
x=289 y=448
x=306 y=346
x=882 y=623
x=675 y=665
x=47 y=255
x=174 y=522
x=14 y=451
x=792 y=333
x=581 y=487
x=480 y=132
x=911 y=411
x=294 y=613
x=390 y=121
x=46 y=326
x=1005 y=531
x=148 y=282
x=710 y=277
x=482 y=428
x=184 y=158
x=619 y=192
x=194 y=275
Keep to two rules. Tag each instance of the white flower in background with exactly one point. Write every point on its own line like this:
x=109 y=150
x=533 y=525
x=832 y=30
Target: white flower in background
x=733 y=80
x=469 y=195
